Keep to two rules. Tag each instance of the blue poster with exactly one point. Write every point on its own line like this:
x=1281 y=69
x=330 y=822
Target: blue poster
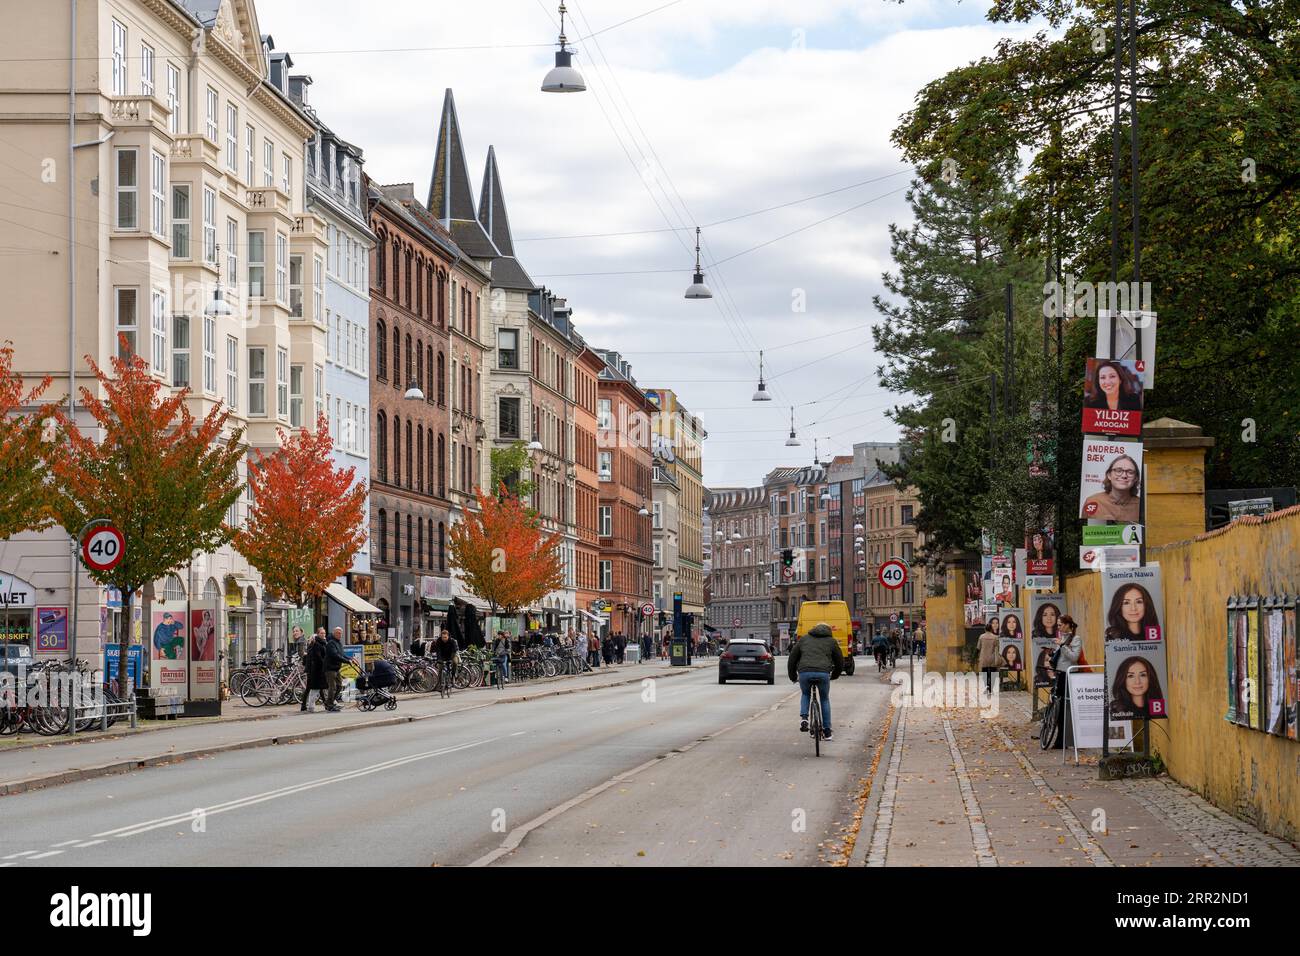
x=113 y=654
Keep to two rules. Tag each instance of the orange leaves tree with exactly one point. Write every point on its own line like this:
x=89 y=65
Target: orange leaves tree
x=164 y=478
x=504 y=556
x=308 y=518
x=24 y=499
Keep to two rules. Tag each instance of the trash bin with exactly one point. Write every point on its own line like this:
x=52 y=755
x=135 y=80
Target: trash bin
x=677 y=652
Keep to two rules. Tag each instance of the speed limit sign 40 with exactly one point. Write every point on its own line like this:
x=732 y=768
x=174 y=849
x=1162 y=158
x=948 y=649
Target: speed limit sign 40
x=892 y=574
x=103 y=548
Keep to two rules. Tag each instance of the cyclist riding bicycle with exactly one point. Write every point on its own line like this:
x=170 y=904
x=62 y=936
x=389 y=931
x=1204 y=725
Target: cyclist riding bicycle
x=446 y=650
x=816 y=658
x=880 y=648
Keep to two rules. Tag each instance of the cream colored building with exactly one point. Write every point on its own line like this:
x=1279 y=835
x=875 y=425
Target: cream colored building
x=682 y=435
x=188 y=166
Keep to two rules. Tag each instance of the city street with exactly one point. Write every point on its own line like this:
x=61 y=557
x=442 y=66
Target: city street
x=715 y=775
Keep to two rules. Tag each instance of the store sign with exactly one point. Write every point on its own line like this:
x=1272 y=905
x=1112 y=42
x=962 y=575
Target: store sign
x=16 y=593
x=432 y=588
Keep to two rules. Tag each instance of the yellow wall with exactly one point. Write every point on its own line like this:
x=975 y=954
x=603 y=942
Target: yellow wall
x=1175 y=494
x=1253 y=775
x=945 y=633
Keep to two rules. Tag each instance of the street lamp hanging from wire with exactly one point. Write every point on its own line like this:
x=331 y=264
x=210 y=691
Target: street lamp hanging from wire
x=563 y=78
x=697 y=289
x=760 y=394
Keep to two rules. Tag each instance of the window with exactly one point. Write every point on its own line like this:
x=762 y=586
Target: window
x=180 y=351
x=295 y=286
x=256 y=264
x=508 y=422
x=318 y=288
x=659 y=554
x=657 y=510
x=257 y=380
x=295 y=396
x=508 y=348
x=128 y=177
x=268 y=163
x=146 y=70
x=281 y=267
x=282 y=382
x=250 y=135
x=232 y=251
x=126 y=321
x=212 y=115
x=232 y=137
x=158 y=195
x=286 y=177
x=119 y=59
x=210 y=355
x=174 y=99
x=605 y=466
x=209 y=226
x=180 y=220
x=320 y=393
x=604 y=417
x=383 y=536
x=232 y=372
x=906 y=517
x=606 y=576
x=158 y=327
x=606 y=521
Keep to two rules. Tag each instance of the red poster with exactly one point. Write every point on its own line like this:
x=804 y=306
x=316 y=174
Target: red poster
x=1112 y=398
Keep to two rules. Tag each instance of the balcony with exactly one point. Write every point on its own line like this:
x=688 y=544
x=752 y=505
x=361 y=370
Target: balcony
x=268 y=199
x=126 y=111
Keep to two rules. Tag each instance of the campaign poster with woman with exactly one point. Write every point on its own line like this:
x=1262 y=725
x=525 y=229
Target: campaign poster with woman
x=1039 y=554
x=1135 y=683
x=1132 y=600
x=1112 y=398
x=1133 y=609
x=1045 y=613
x=1110 y=487
x=1011 y=639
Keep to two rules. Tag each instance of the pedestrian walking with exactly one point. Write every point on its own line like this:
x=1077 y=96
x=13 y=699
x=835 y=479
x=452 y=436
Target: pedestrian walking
x=620 y=649
x=313 y=657
x=593 y=651
x=334 y=661
x=645 y=647
x=988 y=655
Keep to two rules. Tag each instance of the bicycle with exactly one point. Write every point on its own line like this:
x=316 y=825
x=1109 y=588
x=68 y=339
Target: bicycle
x=815 y=717
x=1050 y=730
x=445 y=678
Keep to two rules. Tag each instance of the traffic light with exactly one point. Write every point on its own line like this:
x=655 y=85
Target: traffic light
x=787 y=557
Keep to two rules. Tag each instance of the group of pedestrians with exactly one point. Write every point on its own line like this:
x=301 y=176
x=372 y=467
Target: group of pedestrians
x=323 y=658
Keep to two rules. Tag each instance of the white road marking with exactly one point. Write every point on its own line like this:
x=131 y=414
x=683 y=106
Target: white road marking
x=41 y=856
x=89 y=843
x=519 y=733
x=66 y=842
x=12 y=856
x=173 y=820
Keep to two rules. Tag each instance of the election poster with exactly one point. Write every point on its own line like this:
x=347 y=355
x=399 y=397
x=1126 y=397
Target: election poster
x=1045 y=613
x=1136 y=674
x=1040 y=554
x=1128 y=327
x=1112 y=398
x=1100 y=558
x=1011 y=638
x=1110 y=486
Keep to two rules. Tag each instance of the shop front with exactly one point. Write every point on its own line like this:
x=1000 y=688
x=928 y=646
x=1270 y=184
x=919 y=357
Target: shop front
x=359 y=619
x=436 y=597
x=43 y=630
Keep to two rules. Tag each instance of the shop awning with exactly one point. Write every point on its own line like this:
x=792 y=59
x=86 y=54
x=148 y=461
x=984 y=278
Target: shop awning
x=594 y=618
x=350 y=601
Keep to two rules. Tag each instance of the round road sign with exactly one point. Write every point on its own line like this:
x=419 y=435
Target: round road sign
x=735 y=622
x=892 y=574
x=787 y=574
x=647 y=610
x=103 y=548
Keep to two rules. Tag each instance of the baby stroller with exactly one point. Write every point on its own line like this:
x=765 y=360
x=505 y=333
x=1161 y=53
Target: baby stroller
x=372 y=688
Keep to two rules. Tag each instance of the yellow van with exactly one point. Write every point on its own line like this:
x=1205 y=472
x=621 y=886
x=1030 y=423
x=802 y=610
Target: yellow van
x=834 y=614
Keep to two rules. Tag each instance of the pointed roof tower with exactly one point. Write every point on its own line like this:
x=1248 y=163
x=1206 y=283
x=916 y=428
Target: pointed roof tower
x=450 y=199
x=507 y=272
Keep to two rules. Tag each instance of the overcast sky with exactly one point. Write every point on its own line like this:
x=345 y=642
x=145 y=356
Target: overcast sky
x=699 y=112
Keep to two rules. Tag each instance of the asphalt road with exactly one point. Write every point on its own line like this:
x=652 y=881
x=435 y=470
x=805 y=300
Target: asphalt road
x=680 y=771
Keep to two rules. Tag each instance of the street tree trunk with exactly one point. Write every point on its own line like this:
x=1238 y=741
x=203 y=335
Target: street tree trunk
x=124 y=688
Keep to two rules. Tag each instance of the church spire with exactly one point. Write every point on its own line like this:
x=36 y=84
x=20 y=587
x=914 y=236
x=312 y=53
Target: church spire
x=492 y=207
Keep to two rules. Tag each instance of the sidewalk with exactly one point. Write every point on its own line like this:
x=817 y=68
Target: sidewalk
x=956 y=789
x=49 y=761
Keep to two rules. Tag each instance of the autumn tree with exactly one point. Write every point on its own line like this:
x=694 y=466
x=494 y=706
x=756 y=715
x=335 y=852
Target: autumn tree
x=164 y=478
x=504 y=556
x=308 y=517
x=24 y=499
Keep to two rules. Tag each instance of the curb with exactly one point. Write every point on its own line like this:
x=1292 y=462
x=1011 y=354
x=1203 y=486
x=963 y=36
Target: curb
x=123 y=766
x=870 y=811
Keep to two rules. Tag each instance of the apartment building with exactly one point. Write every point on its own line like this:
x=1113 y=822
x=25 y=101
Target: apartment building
x=680 y=439
x=798 y=500
x=176 y=228
x=740 y=581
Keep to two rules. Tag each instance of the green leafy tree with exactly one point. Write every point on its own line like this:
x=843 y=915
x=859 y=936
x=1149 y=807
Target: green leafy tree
x=508 y=467
x=164 y=478
x=24 y=497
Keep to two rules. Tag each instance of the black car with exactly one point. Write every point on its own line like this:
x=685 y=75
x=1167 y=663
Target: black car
x=746 y=660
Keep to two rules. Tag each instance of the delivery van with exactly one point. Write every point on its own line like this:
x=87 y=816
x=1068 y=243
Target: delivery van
x=834 y=614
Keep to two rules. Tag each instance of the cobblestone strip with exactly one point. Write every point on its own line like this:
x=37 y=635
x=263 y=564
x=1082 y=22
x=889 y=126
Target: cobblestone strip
x=1216 y=834
x=1089 y=846
x=885 y=812
x=979 y=832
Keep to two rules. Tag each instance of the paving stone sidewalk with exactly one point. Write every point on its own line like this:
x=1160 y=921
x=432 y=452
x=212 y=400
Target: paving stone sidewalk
x=958 y=789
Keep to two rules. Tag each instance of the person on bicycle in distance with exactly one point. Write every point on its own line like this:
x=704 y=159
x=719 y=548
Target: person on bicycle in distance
x=447 y=649
x=880 y=647
x=816 y=658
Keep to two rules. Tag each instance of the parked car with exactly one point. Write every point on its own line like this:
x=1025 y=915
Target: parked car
x=746 y=660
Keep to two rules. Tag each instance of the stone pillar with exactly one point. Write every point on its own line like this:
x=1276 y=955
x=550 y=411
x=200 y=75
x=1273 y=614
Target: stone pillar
x=1174 y=454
